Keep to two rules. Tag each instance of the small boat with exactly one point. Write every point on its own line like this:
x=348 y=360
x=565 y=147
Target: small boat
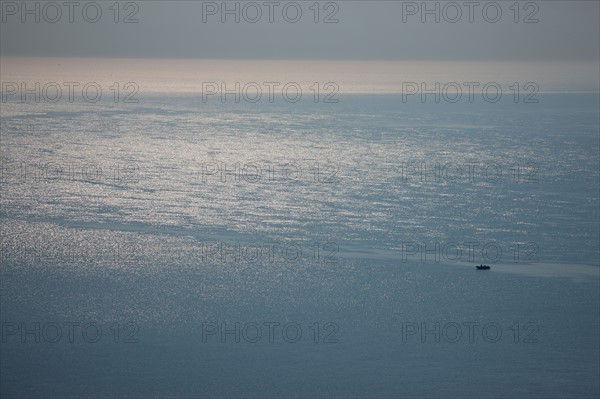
x=483 y=267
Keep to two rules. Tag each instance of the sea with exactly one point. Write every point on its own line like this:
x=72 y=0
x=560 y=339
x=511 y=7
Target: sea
x=177 y=238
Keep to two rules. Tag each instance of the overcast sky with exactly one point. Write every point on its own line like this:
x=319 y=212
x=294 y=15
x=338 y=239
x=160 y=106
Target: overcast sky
x=367 y=30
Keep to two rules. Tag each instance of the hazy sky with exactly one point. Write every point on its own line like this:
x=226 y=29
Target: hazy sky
x=366 y=30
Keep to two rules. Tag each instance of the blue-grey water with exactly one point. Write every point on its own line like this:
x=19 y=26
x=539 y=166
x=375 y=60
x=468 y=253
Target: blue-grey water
x=172 y=217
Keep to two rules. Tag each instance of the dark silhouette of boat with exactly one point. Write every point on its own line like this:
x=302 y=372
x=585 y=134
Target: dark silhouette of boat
x=483 y=267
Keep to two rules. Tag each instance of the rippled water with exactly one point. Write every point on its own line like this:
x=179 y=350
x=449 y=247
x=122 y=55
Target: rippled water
x=114 y=213
x=369 y=172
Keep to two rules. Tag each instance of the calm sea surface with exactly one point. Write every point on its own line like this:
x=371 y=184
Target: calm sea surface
x=336 y=236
